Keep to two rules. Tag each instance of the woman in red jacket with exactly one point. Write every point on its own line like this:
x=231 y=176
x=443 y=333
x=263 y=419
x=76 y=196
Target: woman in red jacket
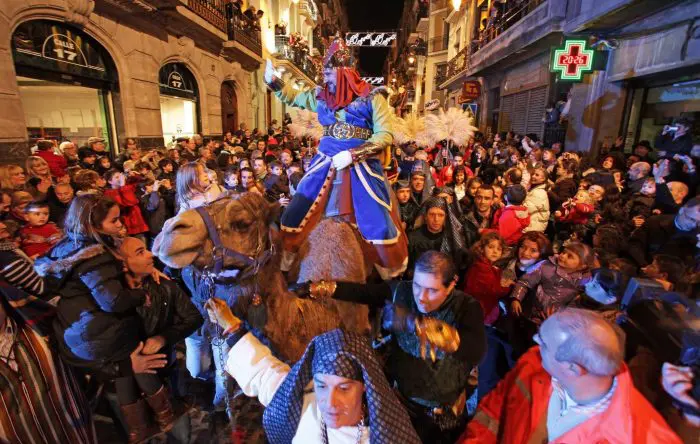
x=483 y=281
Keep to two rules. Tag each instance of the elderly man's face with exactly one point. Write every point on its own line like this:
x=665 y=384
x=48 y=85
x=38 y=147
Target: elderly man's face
x=429 y=292
x=339 y=400
x=638 y=170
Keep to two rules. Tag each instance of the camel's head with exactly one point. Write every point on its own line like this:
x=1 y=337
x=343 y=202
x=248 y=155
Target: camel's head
x=243 y=224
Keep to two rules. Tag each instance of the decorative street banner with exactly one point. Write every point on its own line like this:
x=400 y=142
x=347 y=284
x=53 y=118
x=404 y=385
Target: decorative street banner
x=375 y=81
x=572 y=61
x=373 y=39
x=471 y=90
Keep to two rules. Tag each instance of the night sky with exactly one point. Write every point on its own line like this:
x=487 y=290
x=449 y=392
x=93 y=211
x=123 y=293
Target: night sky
x=373 y=15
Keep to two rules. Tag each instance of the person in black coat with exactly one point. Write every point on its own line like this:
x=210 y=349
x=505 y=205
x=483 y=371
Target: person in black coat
x=670 y=143
x=97 y=326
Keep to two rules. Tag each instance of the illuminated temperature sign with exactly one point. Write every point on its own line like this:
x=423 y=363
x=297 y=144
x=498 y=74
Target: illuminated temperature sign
x=374 y=39
x=573 y=60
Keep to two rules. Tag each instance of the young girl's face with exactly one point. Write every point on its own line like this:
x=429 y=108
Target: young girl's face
x=493 y=250
x=232 y=180
x=105 y=163
x=529 y=252
x=459 y=178
x=203 y=177
x=569 y=261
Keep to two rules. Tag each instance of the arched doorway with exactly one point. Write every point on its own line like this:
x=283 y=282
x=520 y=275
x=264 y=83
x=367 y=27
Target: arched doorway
x=179 y=101
x=67 y=82
x=229 y=107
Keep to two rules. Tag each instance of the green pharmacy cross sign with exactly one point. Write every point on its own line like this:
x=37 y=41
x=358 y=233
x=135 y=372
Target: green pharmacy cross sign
x=572 y=61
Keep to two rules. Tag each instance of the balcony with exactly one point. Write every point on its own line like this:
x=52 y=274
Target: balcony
x=458 y=63
x=294 y=58
x=437 y=44
x=535 y=24
x=212 y=11
x=244 y=39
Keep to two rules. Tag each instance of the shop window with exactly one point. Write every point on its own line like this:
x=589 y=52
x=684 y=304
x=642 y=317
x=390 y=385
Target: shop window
x=66 y=82
x=179 y=107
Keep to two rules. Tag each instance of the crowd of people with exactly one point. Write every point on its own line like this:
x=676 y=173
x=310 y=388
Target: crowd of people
x=525 y=249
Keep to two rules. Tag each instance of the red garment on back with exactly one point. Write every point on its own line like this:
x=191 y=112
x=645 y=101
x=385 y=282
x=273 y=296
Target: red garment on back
x=57 y=164
x=483 y=282
x=349 y=85
x=128 y=203
x=511 y=412
x=32 y=246
x=510 y=221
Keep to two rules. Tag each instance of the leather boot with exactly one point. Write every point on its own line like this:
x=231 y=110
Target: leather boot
x=137 y=421
x=163 y=409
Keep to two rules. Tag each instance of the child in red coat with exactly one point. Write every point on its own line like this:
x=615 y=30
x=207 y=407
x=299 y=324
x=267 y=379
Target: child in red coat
x=483 y=278
x=39 y=235
x=576 y=210
x=511 y=220
x=129 y=204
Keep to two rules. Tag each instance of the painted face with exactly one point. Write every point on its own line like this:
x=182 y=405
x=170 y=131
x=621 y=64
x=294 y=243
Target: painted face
x=403 y=194
x=417 y=183
x=339 y=400
x=483 y=200
x=64 y=193
x=429 y=292
x=596 y=192
x=528 y=253
x=112 y=225
x=435 y=218
x=493 y=251
x=37 y=217
x=569 y=261
x=137 y=258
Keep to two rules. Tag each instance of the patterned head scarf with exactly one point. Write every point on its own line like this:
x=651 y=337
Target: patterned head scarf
x=453 y=241
x=348 y=355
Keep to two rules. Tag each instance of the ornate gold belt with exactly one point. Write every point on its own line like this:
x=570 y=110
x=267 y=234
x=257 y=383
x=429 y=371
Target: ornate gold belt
x=342 y=130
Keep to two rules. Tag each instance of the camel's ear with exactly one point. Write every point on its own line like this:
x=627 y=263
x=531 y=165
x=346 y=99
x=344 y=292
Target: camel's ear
x=274 y=210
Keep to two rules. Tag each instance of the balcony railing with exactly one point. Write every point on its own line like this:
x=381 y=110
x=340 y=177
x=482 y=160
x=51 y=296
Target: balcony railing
x=437 y=44
x=212 y=11
x=500 y=22
x=242 y=30
x=298 y=57
x=459 y=62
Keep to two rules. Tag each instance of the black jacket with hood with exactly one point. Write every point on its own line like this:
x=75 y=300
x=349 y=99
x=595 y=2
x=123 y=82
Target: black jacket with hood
x=97 y=325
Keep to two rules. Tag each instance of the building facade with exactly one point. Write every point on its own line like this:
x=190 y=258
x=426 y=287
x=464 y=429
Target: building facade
x=646 y=67
x=151 y=70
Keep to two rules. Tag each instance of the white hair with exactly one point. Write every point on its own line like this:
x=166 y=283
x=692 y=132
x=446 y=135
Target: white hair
x=591 y=342
x=63 y=145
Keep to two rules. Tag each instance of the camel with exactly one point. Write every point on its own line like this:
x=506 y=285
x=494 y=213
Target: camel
x=332 y=252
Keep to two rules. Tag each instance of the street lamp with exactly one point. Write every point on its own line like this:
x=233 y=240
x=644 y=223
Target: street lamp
x=411 y=59
x=455 y=4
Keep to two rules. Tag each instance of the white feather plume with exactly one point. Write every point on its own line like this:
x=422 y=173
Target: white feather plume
x=305 y=123
x=458 y=125
x=408 y=130
x=435 y=130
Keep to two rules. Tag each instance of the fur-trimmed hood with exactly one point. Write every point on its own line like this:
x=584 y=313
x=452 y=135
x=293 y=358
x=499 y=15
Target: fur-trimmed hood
x=59 y=265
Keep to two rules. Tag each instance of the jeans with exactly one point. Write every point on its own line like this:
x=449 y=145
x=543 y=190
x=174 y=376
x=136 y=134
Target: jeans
x=497 y=361
x=200 y=354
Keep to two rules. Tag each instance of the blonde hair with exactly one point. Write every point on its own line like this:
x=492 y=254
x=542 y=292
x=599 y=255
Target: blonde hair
x=6 y=172
x=33 y=161
x=583 y=196
x=187 y=184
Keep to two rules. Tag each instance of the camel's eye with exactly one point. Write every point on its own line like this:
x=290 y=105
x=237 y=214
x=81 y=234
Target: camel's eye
x=240 y=225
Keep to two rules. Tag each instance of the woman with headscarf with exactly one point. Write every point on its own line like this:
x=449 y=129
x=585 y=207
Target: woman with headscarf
x=350 y=402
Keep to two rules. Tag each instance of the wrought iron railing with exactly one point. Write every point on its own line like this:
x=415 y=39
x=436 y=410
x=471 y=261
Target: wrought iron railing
x=212 y=11
x=298 y=57
x=459 y=62
x=500 y=22
x=242 y=30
